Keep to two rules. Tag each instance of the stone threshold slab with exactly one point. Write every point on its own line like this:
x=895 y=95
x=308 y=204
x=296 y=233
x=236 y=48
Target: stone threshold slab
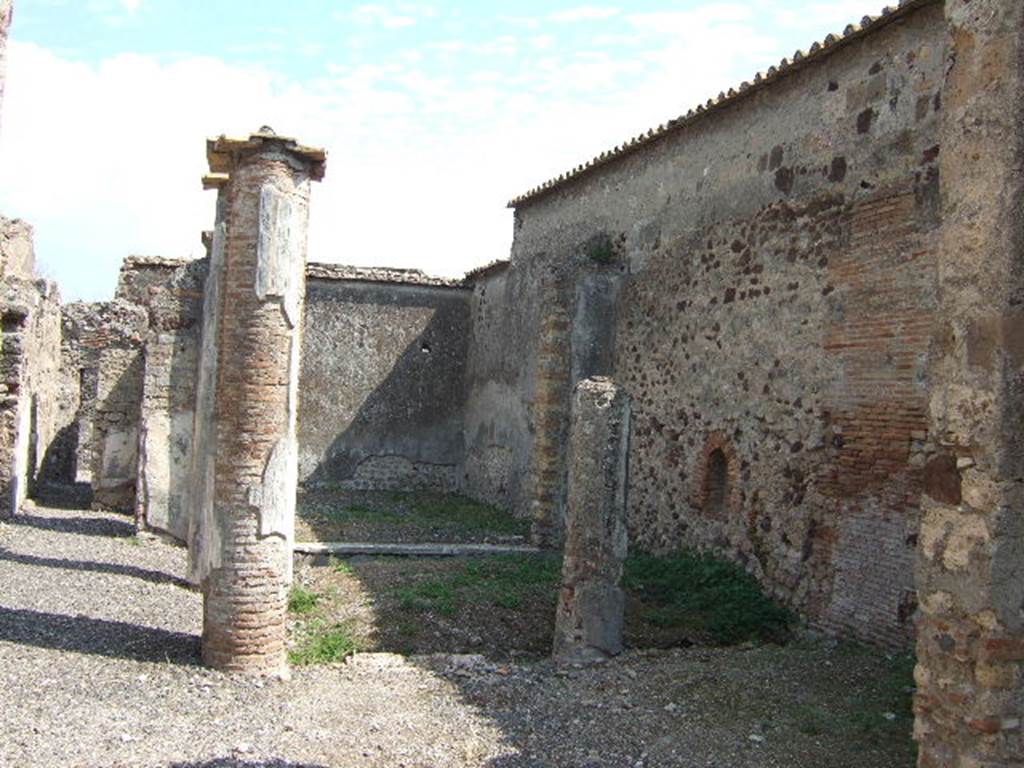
x=411 y=550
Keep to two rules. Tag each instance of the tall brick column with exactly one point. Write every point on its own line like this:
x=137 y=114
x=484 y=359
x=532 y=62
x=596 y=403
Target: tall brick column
x=244 y=564
x=588 y=622
x=970 y=647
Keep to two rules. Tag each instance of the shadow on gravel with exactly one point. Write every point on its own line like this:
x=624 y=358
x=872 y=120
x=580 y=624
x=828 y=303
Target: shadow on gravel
x=145 y=574
x=229 y=762
x=82 y=634
x=84 y=526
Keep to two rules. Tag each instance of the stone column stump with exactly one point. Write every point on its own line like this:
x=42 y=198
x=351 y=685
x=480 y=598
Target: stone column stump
x=588 y=622
x=246 y=471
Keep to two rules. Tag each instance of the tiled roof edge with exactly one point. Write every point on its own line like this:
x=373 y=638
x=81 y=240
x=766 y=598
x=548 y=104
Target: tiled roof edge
x=381 y=275
x=800 y=59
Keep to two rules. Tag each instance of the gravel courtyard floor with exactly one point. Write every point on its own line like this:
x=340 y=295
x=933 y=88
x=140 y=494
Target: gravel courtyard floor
x=99 y=667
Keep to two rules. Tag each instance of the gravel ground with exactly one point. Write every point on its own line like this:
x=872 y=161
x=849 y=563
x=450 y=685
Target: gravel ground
x=98 y=667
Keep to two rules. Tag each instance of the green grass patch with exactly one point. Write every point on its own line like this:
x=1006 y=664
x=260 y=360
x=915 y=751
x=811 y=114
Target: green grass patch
x=506 y=581
x=342 y=567
x=429 y=596
x=326 y=644
x=885 y=707
x=422 y=510
x=710 y=597
x=301 y=600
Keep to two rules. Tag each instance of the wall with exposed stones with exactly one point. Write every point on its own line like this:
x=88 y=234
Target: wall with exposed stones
x=776 y=262
x=17 y=254
x=171 y=291
x=381 y=388
x=30 y=406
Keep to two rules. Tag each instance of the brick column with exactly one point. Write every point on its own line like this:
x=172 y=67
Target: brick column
x=246 y=511
x=970 y=646
x=588 y=622
x=550 y=412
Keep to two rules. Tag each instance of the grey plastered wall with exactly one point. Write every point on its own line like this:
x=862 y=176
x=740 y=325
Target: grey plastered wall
x=778 y=308
x=381 y=388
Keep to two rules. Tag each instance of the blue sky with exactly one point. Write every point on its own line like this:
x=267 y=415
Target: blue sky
x=434 y=113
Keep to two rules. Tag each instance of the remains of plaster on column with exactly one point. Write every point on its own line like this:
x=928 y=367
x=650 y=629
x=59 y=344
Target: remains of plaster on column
x=280 y=474
x=279 y=252
x=204 y=534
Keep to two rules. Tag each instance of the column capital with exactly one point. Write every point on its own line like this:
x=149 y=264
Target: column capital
x=223 y=153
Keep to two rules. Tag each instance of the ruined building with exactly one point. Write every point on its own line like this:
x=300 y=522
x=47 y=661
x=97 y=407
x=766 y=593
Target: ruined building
x=811 y=288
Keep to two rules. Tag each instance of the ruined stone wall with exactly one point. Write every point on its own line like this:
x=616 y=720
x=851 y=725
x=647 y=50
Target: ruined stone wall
x=773 y=329
x=17 y=254
x=381 y=388
x=29 y=365
x=171 y=291
x=119 y=338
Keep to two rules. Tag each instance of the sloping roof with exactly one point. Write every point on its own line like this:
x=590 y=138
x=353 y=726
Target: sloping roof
x=800 y=59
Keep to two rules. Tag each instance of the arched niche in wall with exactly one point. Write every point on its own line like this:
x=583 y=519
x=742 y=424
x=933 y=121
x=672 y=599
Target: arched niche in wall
x=717 y=476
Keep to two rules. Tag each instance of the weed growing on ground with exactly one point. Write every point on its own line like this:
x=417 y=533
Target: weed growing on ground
x=301 y=600
x=342 y=567
x=325 y=644
x=506 y=581
x=712 y=598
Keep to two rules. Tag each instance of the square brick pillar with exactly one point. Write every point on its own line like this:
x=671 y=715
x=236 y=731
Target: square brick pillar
x=970 y=576
x=246 y=453
x=588 y=622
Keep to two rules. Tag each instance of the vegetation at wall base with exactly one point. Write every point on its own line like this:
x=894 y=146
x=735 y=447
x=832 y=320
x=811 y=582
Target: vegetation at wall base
x=715 y=599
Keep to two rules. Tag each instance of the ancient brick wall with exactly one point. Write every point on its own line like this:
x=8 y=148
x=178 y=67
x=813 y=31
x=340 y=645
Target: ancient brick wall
x=774 y=326
x=382 y=379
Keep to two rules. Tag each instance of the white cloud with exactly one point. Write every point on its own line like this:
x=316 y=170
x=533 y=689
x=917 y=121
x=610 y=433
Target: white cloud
x=105 y=159
x=379 y=15
x=583 y=13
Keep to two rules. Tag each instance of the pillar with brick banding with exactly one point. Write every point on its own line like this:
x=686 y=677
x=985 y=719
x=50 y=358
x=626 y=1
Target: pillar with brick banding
x=245 y=513
x=588 y=623
x=970 y=575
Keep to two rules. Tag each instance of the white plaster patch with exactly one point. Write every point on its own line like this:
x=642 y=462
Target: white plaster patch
x=277 y=500
x=280 y=250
